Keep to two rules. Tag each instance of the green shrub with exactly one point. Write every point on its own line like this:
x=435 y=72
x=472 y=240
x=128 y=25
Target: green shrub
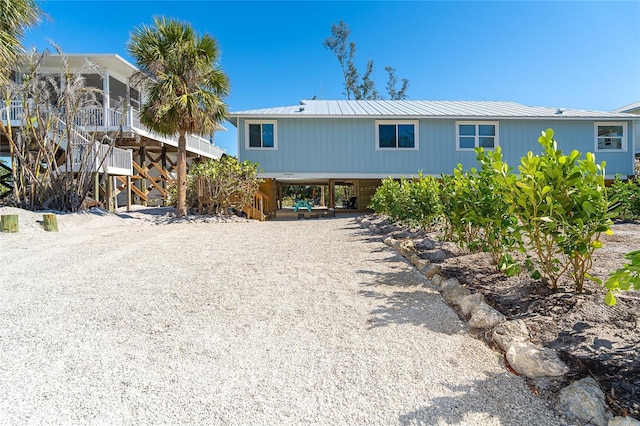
x=625 y=195
x=412 y=201
x=623 y=278
x=228 y=180
x=562 y=206
x=477 y=215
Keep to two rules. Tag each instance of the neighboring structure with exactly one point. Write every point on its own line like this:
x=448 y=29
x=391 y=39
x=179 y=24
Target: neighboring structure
x=634 y=109
x=151 y=157
x=360 y=142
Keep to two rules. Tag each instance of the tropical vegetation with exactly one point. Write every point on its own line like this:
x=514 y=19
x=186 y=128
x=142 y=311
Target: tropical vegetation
x=357 y=87
x=15 y=17
x=548 y=219
x=185 y=86
x=53 y=152
x=227 y=182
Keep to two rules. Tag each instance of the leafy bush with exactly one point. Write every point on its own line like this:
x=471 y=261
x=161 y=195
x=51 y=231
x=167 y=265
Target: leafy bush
x=477 y=215
x=623 y=278
x=562 y=206
x=625 y=195
x=416 y=202
x=554 y=211
x=228 y=182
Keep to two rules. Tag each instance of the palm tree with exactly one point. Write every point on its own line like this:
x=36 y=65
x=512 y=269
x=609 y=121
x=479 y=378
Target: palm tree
x=185 y=85
x=15 y=17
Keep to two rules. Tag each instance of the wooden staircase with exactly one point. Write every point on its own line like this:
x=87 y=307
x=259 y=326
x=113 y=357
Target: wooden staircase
x=258 y=208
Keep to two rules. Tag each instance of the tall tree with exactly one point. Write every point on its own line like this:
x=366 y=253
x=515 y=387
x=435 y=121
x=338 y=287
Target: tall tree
x=15 y=17
x=345 y=51
x=392 y=82
x=185 y=85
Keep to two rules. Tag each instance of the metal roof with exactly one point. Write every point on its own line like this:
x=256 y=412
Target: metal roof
x=105 y=61
x=420 y=109
x=628 y=108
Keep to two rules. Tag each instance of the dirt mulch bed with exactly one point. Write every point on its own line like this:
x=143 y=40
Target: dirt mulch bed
x=592 y=338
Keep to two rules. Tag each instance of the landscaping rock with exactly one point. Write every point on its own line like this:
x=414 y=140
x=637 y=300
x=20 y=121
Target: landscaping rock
x=437 y=255
x=584 y=401
x=365 y=223
x=436 y=280
x=388 y=229
x=375 y=229
x=508 y=332
x=451 y=293
x=485 y=317
x=469 y=303
x=390 y=241
x=623 y=421
x=431 y=271
x=420 y=264
x=534 y=362
x=406 y=248
x=426 y=244
x=449 y=282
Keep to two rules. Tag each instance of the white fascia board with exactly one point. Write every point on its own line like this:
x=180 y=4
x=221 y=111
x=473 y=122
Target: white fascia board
x=303 y=176
x=438 y=117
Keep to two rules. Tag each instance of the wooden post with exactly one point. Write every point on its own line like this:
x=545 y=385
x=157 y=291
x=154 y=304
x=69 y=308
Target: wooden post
x=50 y=222
x=332 y=194
x=164 y=167
x=128 y=193
x=9 y=223
x=109 y=196
x=96 y=187
x=143 y=182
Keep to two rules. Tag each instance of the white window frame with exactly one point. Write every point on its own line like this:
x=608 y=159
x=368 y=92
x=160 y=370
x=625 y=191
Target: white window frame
x=625 y=135
x=416 y=136
x=261 y=148
x=477 y=135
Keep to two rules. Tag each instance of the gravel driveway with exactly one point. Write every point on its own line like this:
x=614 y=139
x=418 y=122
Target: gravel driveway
x=123 y=321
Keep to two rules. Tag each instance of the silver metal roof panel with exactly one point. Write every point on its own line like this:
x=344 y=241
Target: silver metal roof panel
x=419 y=109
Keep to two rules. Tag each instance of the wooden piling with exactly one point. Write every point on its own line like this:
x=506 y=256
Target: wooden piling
x=9 y=223
x=50 y=222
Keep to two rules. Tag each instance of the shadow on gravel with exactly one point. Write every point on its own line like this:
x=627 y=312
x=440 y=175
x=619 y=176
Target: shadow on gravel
x=499 y=399
x=422 y=308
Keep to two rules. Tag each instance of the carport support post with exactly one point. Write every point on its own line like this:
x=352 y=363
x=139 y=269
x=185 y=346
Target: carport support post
x=109 y=197
x=96 y=187
x=332 y=194
x=129 y=193
x=142 y=181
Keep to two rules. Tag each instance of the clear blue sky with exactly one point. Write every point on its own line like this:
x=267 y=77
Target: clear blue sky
x=575 y=54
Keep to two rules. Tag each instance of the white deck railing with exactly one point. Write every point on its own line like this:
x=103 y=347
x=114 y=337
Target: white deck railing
x=196 y=144
x=101 y=159
x=94 y=118
x=14 y=110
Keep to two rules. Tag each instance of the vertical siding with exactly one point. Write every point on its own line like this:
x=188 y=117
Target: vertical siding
x=341 y=145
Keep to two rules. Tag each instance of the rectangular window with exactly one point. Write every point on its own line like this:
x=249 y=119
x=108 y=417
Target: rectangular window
x=260 y=135
x=471 y=135
x=611 y=136
x=396 y=135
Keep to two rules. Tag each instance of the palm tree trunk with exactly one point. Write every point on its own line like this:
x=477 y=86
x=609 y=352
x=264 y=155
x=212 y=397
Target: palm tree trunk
x=181 y=185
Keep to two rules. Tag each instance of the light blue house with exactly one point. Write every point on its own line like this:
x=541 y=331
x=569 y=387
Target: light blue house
x=360 y=142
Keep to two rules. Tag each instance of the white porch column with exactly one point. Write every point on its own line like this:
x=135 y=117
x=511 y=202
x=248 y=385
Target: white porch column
x=106 y=99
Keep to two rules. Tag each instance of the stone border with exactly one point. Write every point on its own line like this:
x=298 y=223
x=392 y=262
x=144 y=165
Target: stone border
x=581 y=401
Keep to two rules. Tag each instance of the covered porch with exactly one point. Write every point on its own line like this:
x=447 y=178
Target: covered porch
x=318 y=198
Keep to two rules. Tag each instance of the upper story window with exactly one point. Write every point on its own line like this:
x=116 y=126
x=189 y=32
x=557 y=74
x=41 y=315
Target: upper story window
x=261 y=135
x=481 y=134
x=396 y=135
x=611 y=136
